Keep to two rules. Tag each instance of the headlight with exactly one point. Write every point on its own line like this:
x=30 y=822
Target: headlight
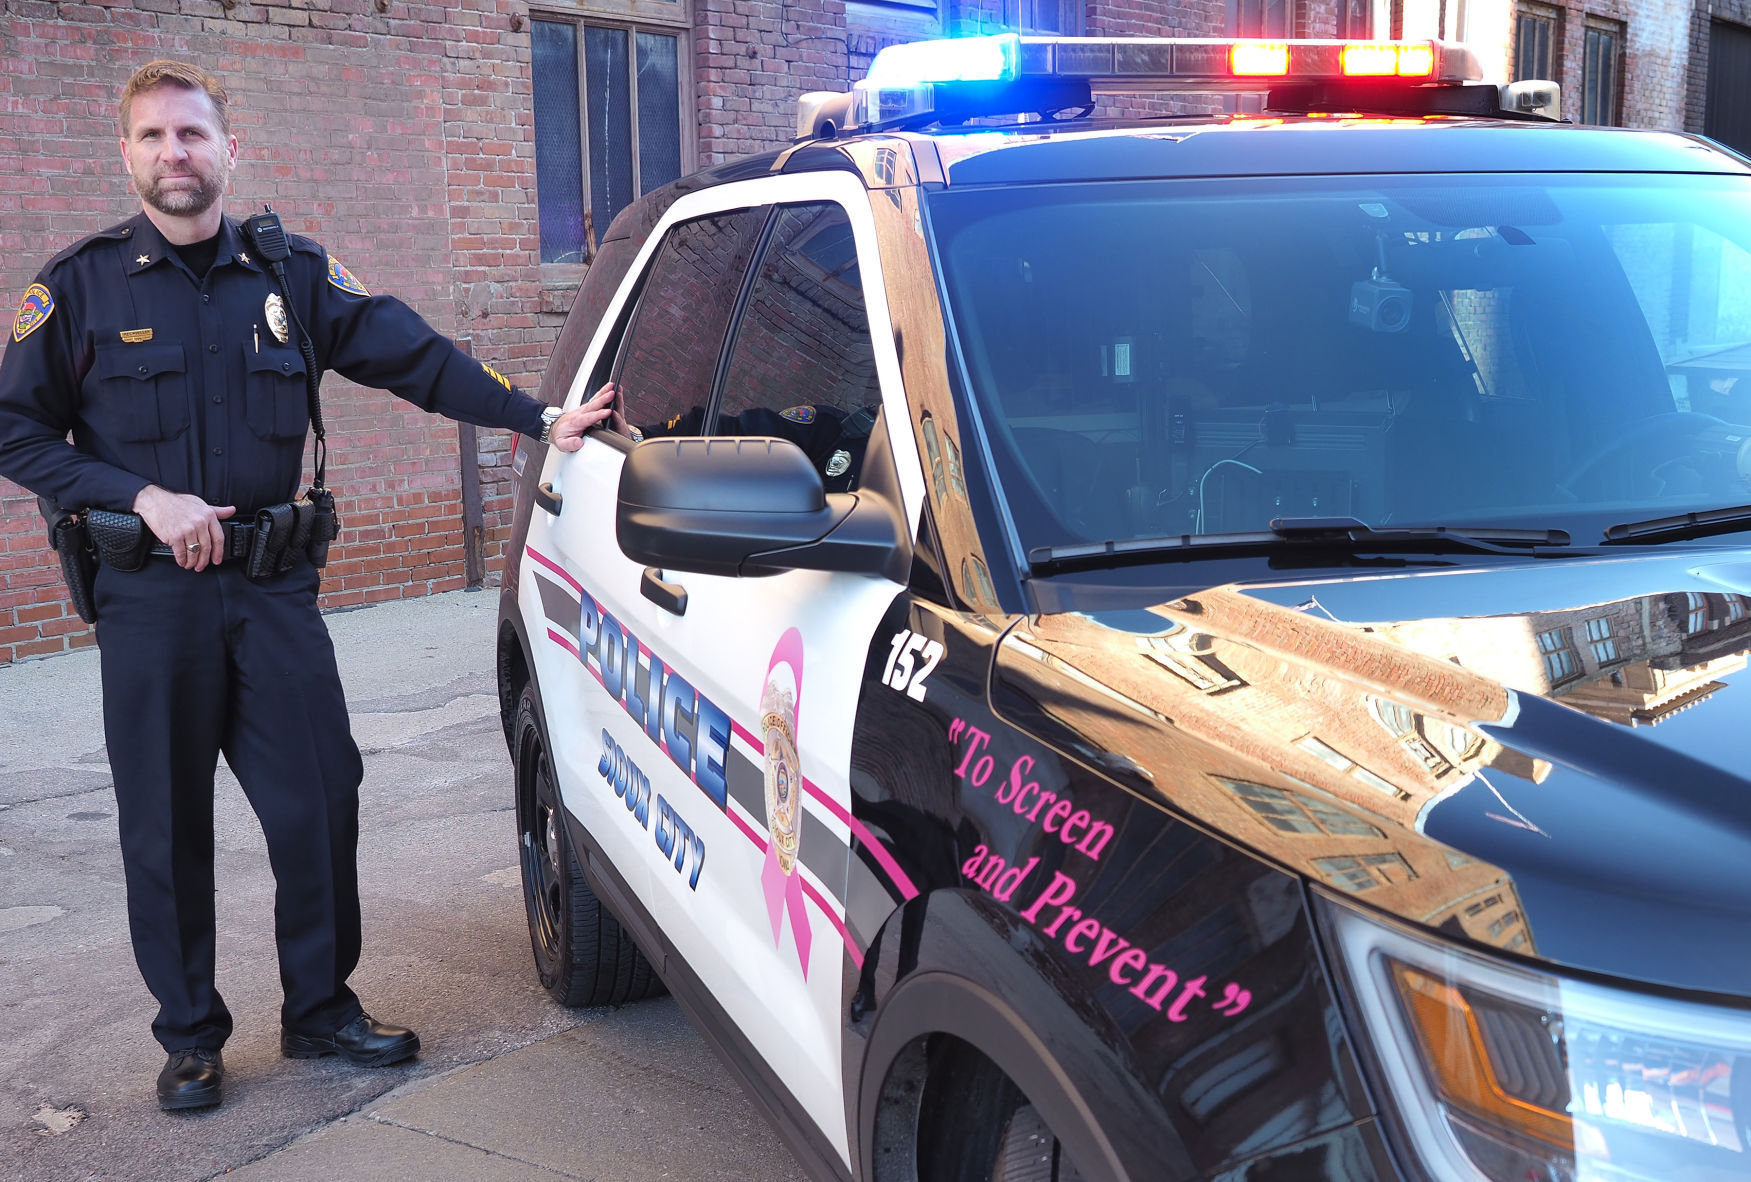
x=1488 y=1071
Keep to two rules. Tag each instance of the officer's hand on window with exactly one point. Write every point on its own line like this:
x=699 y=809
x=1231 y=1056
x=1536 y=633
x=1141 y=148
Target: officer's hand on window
x=568 y=429
x=187 y=524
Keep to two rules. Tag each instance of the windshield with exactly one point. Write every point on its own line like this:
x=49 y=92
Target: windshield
x=1156 y=358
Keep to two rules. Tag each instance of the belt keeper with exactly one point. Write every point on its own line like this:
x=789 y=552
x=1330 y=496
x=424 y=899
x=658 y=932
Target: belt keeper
x=239 y=537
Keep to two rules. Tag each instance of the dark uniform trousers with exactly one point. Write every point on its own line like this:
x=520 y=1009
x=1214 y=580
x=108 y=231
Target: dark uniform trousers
x=196 y=663
x=198 y=384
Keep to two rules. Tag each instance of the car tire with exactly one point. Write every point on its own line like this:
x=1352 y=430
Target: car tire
x=1028 y=1152
x=582 y=953
x=975 y=1125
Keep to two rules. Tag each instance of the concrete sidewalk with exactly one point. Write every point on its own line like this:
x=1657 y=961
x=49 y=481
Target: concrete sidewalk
x=509 y=1085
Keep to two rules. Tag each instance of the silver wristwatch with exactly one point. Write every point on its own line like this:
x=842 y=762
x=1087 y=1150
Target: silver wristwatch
x=549 y=416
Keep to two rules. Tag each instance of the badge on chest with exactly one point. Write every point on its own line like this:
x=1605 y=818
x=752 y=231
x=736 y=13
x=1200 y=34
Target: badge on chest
x=275 y=311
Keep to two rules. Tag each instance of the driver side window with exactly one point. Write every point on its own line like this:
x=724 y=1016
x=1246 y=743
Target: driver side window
x=802 y=366
x=667 y=360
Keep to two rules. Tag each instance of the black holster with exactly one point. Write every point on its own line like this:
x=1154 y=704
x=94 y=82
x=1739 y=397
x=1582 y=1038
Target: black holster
x=68 y=535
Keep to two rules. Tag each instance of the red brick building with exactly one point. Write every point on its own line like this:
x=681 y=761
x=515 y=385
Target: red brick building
x=461 y=154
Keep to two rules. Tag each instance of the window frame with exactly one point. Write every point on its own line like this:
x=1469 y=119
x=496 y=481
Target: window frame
x=1069 y=11
x=1288 y=811
x=1618 y=32
x=1696 y=613
x=1354 y=25
x=1602 y=640
x=630 y=17
x=1557 y=650
x=1527 y=10
x=1294 y=16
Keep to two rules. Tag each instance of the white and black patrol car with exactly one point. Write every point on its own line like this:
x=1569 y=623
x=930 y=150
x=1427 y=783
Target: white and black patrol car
x=1165 y=647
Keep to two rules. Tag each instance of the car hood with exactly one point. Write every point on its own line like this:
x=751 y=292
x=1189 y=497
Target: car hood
x=1544 y=758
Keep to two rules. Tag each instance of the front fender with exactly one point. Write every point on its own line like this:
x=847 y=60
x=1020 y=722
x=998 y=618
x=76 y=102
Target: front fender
x=961 y=974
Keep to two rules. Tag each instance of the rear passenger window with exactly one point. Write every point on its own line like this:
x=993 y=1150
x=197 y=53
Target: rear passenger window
x=802 y=366
x=669 y=357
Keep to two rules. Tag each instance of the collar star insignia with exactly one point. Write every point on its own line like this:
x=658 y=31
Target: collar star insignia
x=143 y=259
x=241 y=257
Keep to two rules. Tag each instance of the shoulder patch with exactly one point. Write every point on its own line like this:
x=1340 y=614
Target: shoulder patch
x=798 y=414
x=33 y=310
x=343 y=278
x=496 y=376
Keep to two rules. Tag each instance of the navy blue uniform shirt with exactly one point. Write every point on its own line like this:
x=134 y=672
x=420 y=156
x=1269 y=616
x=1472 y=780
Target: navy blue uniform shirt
x=168 y=379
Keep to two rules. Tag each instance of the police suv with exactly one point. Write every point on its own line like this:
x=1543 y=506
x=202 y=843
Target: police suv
x=1146 y=646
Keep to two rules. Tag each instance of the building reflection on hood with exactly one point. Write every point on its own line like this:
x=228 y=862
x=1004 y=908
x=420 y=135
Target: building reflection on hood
x=1323 y=744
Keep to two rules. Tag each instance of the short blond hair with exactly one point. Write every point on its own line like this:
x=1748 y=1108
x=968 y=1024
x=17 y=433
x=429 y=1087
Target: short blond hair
x=171 y=73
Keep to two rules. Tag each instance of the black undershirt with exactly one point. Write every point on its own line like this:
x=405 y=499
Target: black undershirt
x=198 y=256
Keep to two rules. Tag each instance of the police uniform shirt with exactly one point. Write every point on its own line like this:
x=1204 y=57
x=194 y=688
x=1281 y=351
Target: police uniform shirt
x=197 y=384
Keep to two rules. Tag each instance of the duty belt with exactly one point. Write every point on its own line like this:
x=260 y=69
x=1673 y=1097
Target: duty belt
x=239 y=537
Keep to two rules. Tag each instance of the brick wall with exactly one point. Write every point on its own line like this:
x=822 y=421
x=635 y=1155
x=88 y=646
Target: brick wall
x=1652 y=65
x=752 y=58
x=402 y=139
x=1661 y=67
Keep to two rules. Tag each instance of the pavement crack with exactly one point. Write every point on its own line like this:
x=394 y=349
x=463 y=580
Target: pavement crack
x=395 y=1124
x=71 y=792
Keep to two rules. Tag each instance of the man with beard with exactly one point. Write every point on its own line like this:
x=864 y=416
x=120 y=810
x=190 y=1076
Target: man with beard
x=171 y=356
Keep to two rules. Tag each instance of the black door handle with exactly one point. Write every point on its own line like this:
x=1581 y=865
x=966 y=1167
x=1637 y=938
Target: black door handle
x=671 y=597
x=547 y=498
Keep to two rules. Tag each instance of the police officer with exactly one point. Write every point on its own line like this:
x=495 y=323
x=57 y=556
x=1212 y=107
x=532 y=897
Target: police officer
x=169 y=354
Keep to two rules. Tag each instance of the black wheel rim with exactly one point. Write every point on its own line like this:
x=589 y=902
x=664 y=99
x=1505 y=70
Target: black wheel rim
x=541 y=853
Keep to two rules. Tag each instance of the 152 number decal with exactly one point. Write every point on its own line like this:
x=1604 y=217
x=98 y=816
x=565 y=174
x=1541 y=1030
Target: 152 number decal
x=911 y=658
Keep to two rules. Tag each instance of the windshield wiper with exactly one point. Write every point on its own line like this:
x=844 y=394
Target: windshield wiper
x=1680 y=528
x=1339 y=535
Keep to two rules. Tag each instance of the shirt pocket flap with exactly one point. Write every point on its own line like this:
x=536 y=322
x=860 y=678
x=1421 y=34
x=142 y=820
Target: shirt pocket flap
x=287 y=363
x=141 y=362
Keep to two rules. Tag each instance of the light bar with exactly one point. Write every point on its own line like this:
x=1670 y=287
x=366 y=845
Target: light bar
x=1175 y=63
x=1010 y=74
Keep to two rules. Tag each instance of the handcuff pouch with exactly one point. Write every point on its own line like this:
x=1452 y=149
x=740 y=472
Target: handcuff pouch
x=121 y=539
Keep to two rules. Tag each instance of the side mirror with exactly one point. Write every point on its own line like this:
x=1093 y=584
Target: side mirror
x=746 y=506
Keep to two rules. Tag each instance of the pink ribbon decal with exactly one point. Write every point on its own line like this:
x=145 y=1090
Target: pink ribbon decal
x=784 y=892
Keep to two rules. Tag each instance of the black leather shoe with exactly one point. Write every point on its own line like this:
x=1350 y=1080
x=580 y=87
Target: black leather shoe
x=190 y=1079
x=364 y=1042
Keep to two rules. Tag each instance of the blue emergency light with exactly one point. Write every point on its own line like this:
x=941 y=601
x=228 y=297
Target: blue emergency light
x=957 y=59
